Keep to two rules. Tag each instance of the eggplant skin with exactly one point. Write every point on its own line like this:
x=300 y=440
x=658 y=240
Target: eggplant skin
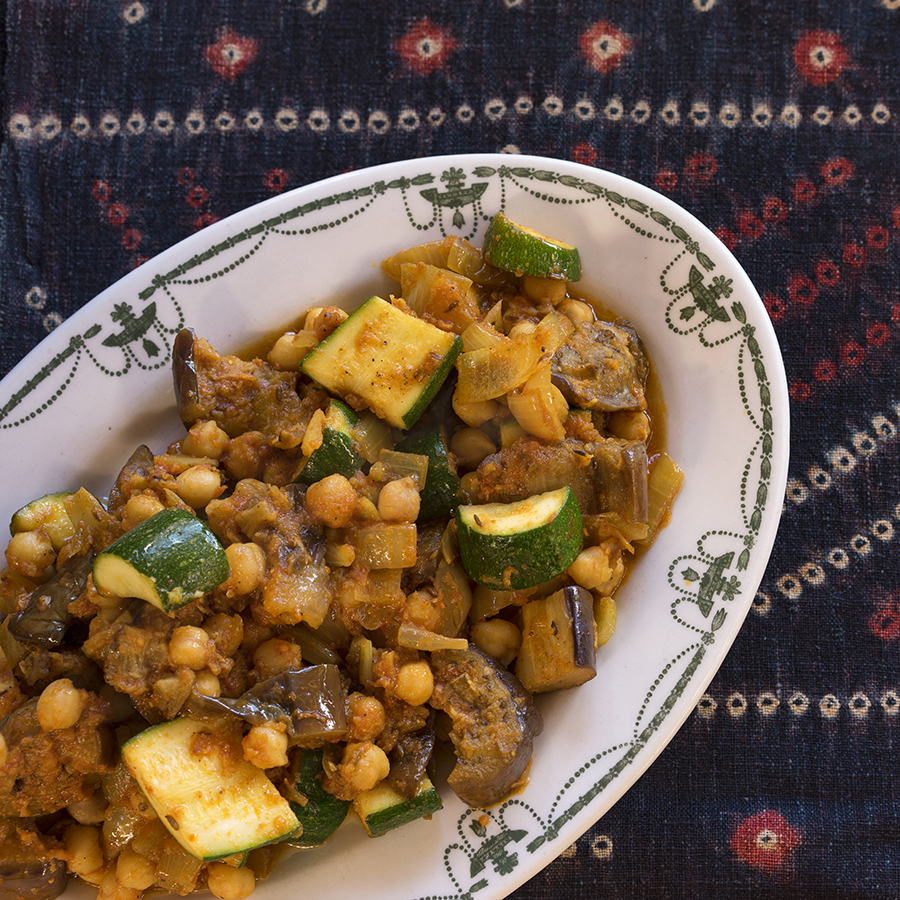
x=495 y=721
x=602 y=366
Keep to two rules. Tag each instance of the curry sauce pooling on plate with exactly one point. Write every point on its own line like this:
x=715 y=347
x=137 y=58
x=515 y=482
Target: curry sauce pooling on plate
x=373 y=547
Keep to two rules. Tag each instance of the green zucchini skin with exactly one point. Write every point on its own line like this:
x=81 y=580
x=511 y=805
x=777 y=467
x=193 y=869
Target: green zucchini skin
x=524 y=251
x=337 y=455
x=214 y=803
x=168 y=560
x=323 y=813
x=523 y=558
x=383 y=809
x=393 y=361
x=440 y=495
x=48 y=511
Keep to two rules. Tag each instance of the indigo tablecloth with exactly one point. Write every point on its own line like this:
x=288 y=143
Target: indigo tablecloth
x=129 y=124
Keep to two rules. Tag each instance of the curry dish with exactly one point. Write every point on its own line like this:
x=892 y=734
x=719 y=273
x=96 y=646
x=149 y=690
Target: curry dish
x=377 y=542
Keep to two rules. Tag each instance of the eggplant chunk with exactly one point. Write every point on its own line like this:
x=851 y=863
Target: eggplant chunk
x=310 y=702
x=558 y=649
x=38 y=879
x=606 y=476
x=409 y=760
x=601 y=366
x=494 y=720
x=45 y=771
x=238 y=395
x=46 y=618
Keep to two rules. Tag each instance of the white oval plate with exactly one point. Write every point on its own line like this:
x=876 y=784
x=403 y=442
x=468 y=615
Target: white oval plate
x=73 y=410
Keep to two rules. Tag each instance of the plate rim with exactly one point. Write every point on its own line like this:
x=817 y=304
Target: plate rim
x=203 y=239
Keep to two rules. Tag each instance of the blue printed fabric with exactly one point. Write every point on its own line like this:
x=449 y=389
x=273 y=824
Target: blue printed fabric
x=130 y=124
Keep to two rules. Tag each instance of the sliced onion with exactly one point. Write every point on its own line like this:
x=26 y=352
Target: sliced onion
x=433 y=252
x=414 y=637
x=491 y=372
x=386 y=546
x=539 y=407
x=480 y=335
x=402 y=464
x=372 y=435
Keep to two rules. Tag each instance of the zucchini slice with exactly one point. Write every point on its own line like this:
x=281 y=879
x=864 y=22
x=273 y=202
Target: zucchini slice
x=390 y=360
x=168 y=560
x=440 y=495
x=524 y=251
x=337 y=454
x=512 y=546
x=322 y=813
x=48 y=512
x=213 y=801
x=383 y=809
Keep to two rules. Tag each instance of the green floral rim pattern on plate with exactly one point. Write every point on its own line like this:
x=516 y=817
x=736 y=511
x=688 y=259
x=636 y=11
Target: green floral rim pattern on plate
x=705 y=581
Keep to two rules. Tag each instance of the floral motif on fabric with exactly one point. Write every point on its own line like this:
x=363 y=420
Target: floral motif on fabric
x=604 y=46
x=426 y=47
x=231 y=54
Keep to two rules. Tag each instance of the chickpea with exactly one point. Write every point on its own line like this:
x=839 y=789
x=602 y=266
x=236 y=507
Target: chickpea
x=477 y=412
x=245 y=456
x=89 y=812
x=82 y=843
x=415 y=683
x=274 y=656
x=598 y=568
x=60 y=705
x=225 y=631
x=228 y=883
x=190 y=646
x=108 y=888
x=363 y=766
x=323 y=320
x=468 y=484
x=629 y=424
x=471 y=446
x=551 y=290
x=205 y=439
x=139 y=508
x=577 y=311
x=291 y=348
x=248 y=568
x=207 y=684
x=30 y=552
x=266 y=746
x=198 y=485
x=499 y=638
x=399 y=500
x=367 y=717
x=134 y=870
x=332 y=501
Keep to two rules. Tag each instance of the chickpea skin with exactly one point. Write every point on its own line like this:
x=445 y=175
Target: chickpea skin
x=60 y=705
x=499 y=638
x=228 y=883
x=332 y=501
x=415 y=683
x=247 y=563
x=399 y=500
x=367 y=717
x=363 y=766
x=266 y=746
x=274 y=656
